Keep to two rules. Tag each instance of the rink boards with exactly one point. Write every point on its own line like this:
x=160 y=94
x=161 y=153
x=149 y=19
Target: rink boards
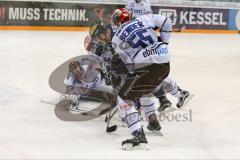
x=79 y=16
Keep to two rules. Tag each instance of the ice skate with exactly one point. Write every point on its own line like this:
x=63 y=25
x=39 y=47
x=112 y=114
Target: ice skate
x=154 y=125
x=184 y=99
x=138 y=141
x=164 y=103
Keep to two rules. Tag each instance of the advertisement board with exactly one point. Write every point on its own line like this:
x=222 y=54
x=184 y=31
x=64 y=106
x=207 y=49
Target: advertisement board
x=234 y=16
x=51 y=14
x=195 y=18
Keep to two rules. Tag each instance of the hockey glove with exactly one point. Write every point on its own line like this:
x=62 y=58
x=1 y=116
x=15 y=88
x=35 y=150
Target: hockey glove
x=118 y=66
x=110 y=48
x=99 y=50
x=115 y=79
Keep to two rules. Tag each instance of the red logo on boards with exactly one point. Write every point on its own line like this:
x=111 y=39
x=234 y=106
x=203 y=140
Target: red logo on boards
x=2 y=13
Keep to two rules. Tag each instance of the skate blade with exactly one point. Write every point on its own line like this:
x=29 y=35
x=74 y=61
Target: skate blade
x=157 y=133
x=163 y=108
x=168 y=110
x=129 y=147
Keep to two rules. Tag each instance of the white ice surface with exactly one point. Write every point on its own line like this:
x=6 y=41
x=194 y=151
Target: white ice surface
x=206 y=65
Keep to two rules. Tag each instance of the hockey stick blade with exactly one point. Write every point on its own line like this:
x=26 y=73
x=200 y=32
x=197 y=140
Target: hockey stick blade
x=112 y=128
x=179 y=29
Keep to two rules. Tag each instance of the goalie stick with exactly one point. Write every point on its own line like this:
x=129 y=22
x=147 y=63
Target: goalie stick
x=86 y=110
x=106 y=99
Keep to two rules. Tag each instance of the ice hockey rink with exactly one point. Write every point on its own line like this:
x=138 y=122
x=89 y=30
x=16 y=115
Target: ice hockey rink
x=205 y=64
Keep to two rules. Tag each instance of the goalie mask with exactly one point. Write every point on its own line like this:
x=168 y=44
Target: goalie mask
x=120 y=16
x=76 y=69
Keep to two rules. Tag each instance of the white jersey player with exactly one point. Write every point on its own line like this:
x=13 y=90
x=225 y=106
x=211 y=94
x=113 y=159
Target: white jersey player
x=154 y=21
x=83 y=75
x=100 y=45
x=99 y=50
x=139 y=7
x=145 y=62
x=128 y=44
x=165 y=27
x=140 y=48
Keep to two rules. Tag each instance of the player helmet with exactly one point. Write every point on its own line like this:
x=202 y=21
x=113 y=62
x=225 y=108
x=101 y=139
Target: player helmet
x=76 y=69
x=96 y=30
x=120 y=16
x=138 y=1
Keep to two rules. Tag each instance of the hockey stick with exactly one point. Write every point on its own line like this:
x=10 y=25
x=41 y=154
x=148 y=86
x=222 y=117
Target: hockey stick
x=111 y=116
x=179 y=29
x=114 y=127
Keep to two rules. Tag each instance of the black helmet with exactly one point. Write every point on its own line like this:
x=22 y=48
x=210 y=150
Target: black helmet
x=96 y=29
x=137 y=1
